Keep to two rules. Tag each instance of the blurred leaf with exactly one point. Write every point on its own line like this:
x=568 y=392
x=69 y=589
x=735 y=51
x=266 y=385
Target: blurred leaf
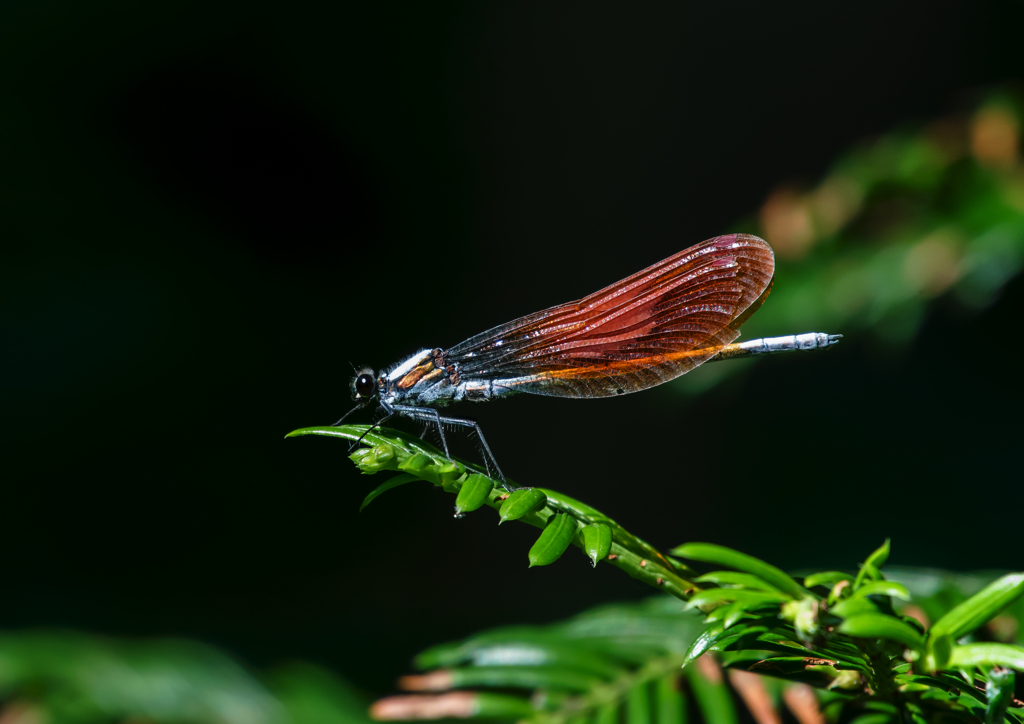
x=979 y=608
x=878 y=626
x=671 y=705
x=870 y=567
x=999 y=691
x=608 y=714
x=638 y=705
x=722 y=595
x=501 y=706
x=987 y=654
x=84 y=678
x=522 y=677
x=728 y=615
x=849 y=607
x=312 y=695
x=711 y=694
x=882 y=588
x=826 y=578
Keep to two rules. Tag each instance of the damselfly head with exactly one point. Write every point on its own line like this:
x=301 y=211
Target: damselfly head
x=364 y=384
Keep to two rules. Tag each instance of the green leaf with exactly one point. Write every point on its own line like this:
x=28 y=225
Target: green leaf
x=940 y=650
x=930 y=681
x=870 y=567
x=711 y=553
x=728 y=615
x=882 y=588
x=597 y=541
x=850 y=607
x=722 y=595
x=608 y=714
x=712 y=695
x=553 y=540
x=386 y=486
x=979 y=608
x=522 y=677
x=702 y=643
x=501 y=706
x=669 y=701
x=733 y=613
x=521 y=502
x=879 y=626
x=473 y=494
x=987 y=654
x=517 y=646
x=735 y=578
x=638 y=705
x=827 y=579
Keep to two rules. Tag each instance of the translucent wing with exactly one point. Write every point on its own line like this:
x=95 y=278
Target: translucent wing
x=644 y=330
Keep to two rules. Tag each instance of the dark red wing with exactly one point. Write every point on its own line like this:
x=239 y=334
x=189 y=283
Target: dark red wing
x=644 y=330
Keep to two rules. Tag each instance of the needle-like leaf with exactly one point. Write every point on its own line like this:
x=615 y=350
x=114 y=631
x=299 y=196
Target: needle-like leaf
x=711 y=553
x=386 y=486
x=979 y=608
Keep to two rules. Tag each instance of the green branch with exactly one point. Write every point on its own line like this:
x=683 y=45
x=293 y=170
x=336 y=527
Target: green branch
x=391 y=450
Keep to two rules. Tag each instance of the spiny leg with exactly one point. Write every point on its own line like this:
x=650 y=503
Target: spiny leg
x=436 y=419
x=488 y=455
x=431 y=415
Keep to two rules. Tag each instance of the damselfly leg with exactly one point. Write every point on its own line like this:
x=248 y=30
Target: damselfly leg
x=430 y=415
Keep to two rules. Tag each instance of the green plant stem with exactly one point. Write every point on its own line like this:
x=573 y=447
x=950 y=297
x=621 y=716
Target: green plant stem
x=629 y=553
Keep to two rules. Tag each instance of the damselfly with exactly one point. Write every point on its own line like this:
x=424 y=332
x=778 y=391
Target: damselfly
x=647 y=329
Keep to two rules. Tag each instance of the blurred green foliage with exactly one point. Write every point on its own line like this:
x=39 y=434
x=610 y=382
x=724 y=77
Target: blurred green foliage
x=900 y=220
x=861 y=650
x=64 y=677
x=896 y=222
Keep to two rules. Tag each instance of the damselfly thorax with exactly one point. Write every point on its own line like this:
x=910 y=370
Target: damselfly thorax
x=640 y=332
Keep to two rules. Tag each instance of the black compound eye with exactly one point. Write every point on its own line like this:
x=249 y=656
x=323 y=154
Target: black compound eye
x=365 y=385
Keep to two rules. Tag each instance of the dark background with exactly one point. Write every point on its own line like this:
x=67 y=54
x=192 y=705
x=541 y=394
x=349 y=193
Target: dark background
x=209 y=210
